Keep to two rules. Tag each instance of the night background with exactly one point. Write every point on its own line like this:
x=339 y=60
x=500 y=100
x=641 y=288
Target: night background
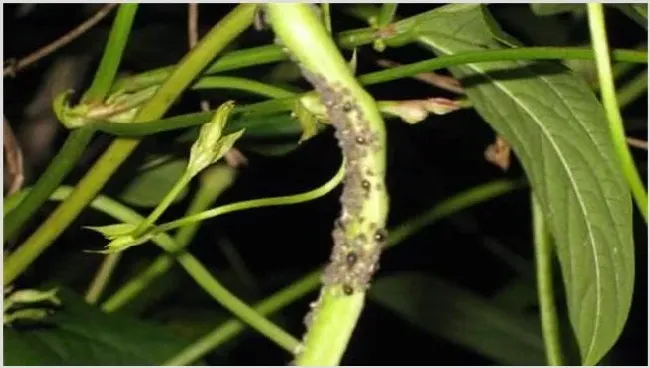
x=480 y=250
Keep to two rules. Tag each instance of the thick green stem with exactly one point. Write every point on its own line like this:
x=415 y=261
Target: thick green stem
x=209 y=190
x=546 y=296
x=359 y=233
x=608 y=93
x=310 y=282
x=77 y=141
x=188 y=68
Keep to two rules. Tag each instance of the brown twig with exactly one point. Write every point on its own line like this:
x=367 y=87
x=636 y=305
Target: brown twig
x=638 y=143
x=437 y=80
x=15 y=67
x=14 y=158
x=233 y=158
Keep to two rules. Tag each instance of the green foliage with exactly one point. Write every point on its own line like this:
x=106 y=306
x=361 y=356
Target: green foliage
x=549 y=115
x=153 y=181
x=80 y=334
x=462 y=317
x=544 y=111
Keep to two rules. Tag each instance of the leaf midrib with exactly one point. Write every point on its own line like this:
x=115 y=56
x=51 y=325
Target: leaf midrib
x=573 y=184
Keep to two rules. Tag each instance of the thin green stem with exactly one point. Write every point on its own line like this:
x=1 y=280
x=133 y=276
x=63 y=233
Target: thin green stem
x=108 y=66
x=242 y=84
x=310 y=282
x=229 y=301
x=608 y=93
x=77 y=141
x=214 y=181
x=546 y=295
x=102 y=278
x=192 y=64
x=169 y=198
x=633 y=89
x=386 y=14
x=256 y=203
x=196 y=270
x=231 y=61
x=403 y=71
x=73 y=147
x=524 y=53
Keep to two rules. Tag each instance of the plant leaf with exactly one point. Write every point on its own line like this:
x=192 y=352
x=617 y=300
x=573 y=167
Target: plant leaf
x=80 y=334
x=553 y=9
x=153 y=182
x=462 y=317
x=558 y=130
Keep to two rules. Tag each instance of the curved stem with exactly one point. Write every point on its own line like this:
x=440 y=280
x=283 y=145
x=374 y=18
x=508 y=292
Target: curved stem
x=359 y=232
x=195 y=269
x=192 y=64
x=255 y=203
x=107 y=69
x=214 y=181
x=310 y=282
x=608 y=93
x=546 y=296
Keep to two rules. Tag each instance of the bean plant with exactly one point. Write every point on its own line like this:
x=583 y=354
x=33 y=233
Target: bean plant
x=560 y=137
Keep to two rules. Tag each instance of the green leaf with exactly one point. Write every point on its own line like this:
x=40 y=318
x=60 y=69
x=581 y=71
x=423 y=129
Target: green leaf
x=557 y=128
x=153 y=181
x=308 y=121
x=79 y=334
x=462 y=317
x=553 y=9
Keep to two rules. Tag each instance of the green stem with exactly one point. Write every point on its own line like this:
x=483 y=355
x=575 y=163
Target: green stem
x=107 y=69
x=73 y=147
x=632 y=89
x=256 y=203
x=608 y=93
x=242 y=84
x=544 y=267
x=196 y=270
x=229 y=301
x=231 y=61
x=310 y=282
x=208 y=192
x=77 y=141
x=404 y=71
x=524 y=53
x=216 y=40
x=386 y=14
x=102 y=278
x=359 y=233
x=169 y=198
x=162 y=264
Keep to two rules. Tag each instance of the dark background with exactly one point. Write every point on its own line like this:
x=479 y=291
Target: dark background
x=427 y=163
